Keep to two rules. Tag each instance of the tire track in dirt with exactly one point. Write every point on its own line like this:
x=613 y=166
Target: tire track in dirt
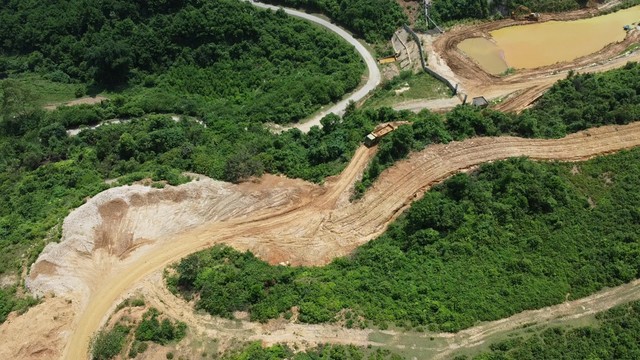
x=322 y=228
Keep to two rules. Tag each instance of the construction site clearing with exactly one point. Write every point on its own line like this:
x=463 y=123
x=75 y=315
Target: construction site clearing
x=518 y=89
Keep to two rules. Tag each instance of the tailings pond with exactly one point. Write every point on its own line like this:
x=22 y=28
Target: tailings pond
x=541 y=44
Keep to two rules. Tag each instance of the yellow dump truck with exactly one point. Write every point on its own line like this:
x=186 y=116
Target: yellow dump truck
x=377 y=134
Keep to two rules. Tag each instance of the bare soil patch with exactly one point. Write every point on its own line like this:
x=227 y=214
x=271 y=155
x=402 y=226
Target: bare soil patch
x=89 y=100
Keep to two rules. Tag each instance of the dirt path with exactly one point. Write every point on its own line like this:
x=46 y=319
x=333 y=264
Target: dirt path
x=433 y=105
x=310 y=225
x=90 y=100
x=373 y=79
x=442 y=346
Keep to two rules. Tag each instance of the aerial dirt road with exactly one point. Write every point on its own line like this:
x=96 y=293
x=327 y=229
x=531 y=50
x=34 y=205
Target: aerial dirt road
x=321 y=225
x=373 y=79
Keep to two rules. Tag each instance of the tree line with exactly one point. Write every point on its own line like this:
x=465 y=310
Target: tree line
x=579 y=102
x=373 y=20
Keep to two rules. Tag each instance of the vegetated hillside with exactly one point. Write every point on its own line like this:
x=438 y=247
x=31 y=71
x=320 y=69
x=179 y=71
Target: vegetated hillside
x=44 y=172
x=222 y=57
x=515 y=235
x=282 y=352
x=374 y=20
x=573 y=104
x=615 y=335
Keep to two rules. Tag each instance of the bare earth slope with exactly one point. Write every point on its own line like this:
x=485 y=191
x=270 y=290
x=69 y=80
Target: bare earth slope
x=287 y=220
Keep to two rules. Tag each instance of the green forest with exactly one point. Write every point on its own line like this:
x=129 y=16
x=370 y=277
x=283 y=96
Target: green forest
x=194 y=83
x=44 y=173
x=373 y=20
x=224 y=58
x=225 y=67
x=514 y=235
x=615 y=335
x=255 y=351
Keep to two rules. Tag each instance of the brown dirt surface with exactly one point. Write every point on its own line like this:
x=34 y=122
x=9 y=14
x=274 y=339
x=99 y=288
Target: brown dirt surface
x=90 y=100
x=321 y=224
x=40 y=333
x=411 y=9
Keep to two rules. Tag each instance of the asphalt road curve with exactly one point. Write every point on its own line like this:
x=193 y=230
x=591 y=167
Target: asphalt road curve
x=373 y=79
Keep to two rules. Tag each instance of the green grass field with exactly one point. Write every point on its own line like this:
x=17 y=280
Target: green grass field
x=47 y=91
x=414 y=86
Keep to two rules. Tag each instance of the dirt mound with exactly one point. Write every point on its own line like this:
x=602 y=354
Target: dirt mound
x=41 y=333
x=115 y=223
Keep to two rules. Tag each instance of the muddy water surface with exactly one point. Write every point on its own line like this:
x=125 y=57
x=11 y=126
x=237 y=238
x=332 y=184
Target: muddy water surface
x=486 y=53
x=540 y=44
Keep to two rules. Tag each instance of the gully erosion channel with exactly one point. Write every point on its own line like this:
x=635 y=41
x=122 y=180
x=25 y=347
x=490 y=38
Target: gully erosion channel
x=541 y=44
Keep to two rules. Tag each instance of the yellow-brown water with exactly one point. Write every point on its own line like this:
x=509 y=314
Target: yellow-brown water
x=541 y=44
x=486 y=53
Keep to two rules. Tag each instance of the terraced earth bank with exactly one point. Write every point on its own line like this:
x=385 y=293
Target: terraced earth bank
x=123 y=235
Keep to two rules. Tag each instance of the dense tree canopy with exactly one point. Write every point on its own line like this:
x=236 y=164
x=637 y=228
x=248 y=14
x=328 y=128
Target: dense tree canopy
x=374 y=20
x=228 y=56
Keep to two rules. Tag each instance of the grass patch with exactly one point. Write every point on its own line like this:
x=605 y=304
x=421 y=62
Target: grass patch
x=47 y=91
x=631 y=48
x=408 y=86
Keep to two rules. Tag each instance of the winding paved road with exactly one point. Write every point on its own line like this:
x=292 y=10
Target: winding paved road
x=373 y=80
